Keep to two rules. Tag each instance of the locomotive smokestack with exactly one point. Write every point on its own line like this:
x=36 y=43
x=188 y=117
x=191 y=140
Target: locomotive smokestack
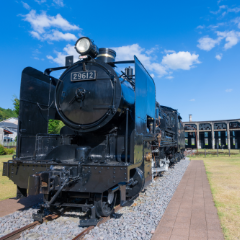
x=106 y=55
x=190 y=117
x=129 y=72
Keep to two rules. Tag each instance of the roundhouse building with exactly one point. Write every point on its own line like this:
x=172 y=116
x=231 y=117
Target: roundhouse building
x=222 y=134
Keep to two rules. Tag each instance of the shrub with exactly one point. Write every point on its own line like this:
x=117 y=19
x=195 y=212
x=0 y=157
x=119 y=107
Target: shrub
x=9 y=151
x=2 y=150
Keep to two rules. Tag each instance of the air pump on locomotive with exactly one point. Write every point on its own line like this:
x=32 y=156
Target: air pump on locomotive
x=115 y=139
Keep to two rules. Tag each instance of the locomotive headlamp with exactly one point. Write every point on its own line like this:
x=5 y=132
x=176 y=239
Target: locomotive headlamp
x=85 y=46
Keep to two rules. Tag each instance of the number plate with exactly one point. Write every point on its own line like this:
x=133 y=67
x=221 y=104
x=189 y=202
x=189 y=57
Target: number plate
x=83 y=76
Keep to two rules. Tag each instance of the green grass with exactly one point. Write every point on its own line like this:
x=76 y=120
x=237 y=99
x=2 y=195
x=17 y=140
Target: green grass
x=223 y=173
x=9 y=157
x=8 y=189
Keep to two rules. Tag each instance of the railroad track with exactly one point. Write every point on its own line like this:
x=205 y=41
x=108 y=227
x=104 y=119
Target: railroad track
x=102 y=220
x=16 y=234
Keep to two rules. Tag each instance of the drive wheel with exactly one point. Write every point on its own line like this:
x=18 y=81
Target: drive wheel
x=104 y=203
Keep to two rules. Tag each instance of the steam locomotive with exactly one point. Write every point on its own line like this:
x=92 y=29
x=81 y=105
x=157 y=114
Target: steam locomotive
x=115 y=139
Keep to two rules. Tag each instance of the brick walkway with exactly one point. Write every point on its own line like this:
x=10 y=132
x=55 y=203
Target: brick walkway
x=191 y=214
x=12 y=205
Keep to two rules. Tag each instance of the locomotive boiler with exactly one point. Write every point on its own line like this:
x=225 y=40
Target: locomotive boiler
x=115 y=139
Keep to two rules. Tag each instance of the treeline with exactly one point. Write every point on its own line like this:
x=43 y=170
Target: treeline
x=7 y=113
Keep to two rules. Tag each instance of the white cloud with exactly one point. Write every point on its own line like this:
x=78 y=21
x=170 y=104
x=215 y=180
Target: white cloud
x=25 y=5
x=40 y=22
x=67 y=51
x=213 y=27
x=200 y=27
x=206 y=43
x=44 y=27
x=158 y=68
x=55 y=35
x=128 y=52
x=59 y=2
x=226 y=10
x=35 y=34
x=180 y=60
x=237 y=21
x=232 y=38
x=236 y=9
x=169 y=51
x=228 y=90
x=219 y=56
x=40 y=1
x=152 y=50
x=219 y=10
x=192 y=100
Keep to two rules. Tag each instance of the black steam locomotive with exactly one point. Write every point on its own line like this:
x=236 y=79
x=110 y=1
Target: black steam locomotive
x=115 y=139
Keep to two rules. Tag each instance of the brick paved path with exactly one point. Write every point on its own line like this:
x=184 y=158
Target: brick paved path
x=191 y=214
x=12 y=205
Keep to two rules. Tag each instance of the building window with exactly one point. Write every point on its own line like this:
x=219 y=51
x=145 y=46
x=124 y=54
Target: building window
x=219 y=141
x=226 y=141
x=233 y=133
x=186 y=134
x=193 y=141
x=233 y=141
x=226 y=134
x=219 y=134
x=206 y=141
x=186 y=141
x=192 y=134
x=205 y=134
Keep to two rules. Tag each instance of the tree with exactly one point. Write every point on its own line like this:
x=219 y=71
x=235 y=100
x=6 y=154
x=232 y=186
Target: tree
x=6 y=113
x=54 y=126
x=16 y=104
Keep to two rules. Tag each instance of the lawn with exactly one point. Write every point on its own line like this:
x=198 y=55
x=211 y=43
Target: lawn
x=224 y=177
x=7 y=188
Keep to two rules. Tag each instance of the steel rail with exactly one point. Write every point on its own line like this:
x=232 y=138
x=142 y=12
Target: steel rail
x=81 y=235
x=16 y=234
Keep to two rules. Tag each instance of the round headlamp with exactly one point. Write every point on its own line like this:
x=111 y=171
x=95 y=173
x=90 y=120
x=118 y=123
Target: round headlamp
x=85 y=46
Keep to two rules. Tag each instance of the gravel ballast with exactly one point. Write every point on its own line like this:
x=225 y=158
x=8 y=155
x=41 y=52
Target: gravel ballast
x=17 y=220
x=138 y=221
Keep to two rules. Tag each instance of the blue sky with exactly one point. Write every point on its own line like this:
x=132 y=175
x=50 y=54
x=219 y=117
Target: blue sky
x=191 y=48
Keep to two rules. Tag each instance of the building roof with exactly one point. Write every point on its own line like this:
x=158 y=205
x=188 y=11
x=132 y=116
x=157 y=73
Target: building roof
x=11 y=120
x=8 y=125
x=7 y=131
x=215 y=121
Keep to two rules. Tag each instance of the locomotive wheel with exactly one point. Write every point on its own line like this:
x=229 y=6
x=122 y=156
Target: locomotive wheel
x=104 y=203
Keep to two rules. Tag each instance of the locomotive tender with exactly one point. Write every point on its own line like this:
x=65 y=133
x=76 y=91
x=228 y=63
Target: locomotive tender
x=115 y=139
